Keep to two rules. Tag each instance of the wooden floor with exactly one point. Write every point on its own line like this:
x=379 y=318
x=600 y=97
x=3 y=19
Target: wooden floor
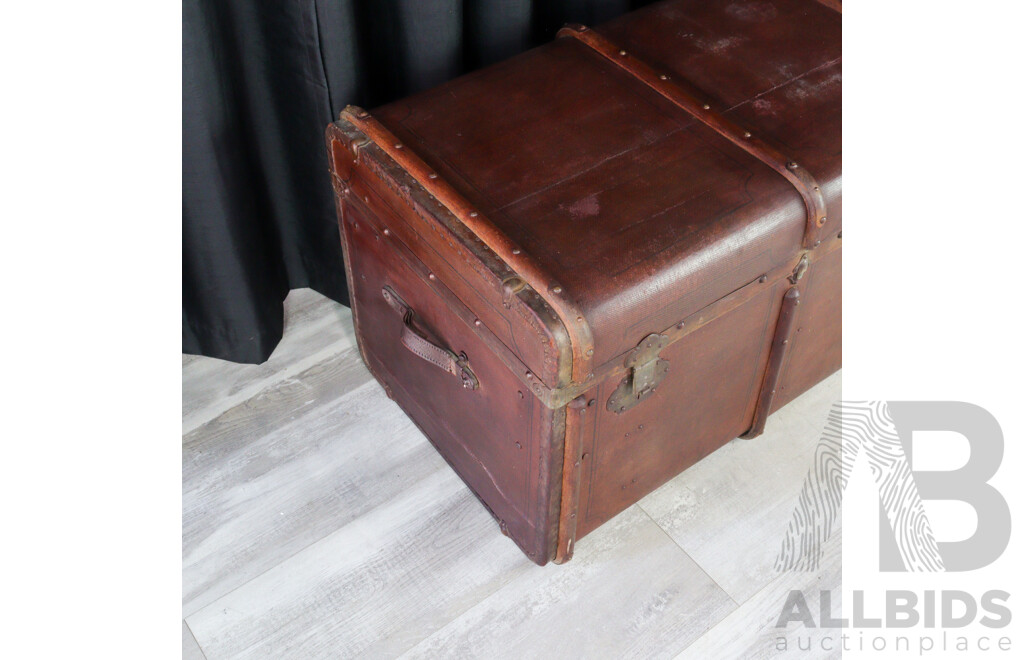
x=319 y=523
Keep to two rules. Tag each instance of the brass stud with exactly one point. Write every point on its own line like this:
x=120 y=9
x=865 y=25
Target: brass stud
x=746 y=134
x=398 y=145
x=556 y=289
x=431 y=276
x=706 y=106
x=663 y=77
x=477 y=323
x=516 y=250
x=387 y=232
x=622 y=52
x=792 y=165
x=432 y=175
x=473 y=214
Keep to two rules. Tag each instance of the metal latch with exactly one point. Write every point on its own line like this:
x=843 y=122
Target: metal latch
x=646 y=370
x=800 y=270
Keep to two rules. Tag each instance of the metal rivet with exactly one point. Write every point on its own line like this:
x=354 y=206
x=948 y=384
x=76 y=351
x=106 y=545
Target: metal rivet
x=823 y=220
x=529 y=375
x=817 y=243
x=762 y=279
x=663 y=77
x=640 y=427
x=477 y=323
x=817 y=188
x=579 y=319
x=520 y=393
x=387 y=232
x=432 y=276
x=707 y=107
x=792 y=165
x=518 y=446
x=398 y=145
x=622 y=52
x=590 y=352
x=473 y=214
x=590 y=403
x=556 y=289
x=432 y=175
x=515 y=250
x=746 y=134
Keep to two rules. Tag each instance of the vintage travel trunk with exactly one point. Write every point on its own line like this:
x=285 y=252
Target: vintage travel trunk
x=583 y=269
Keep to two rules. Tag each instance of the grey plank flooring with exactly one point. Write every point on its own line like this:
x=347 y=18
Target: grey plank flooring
x=189 y=646
x=315 y=329
x=319 y=522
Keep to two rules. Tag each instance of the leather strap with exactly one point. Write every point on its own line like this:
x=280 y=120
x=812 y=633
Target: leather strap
x=684 y=96
x=419 y=342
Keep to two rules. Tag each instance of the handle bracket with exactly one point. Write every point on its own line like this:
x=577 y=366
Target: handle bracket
x=424 y=344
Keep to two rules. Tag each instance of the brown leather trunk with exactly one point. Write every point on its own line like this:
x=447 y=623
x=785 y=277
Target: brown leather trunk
x=584 y=269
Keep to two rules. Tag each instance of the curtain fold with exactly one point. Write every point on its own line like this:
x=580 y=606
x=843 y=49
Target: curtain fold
x=260 y=82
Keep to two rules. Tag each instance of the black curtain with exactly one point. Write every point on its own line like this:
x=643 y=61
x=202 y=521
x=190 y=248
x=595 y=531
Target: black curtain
x=260 y=82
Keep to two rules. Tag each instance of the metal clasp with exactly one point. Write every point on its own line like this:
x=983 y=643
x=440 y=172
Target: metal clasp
x=800 y=270
x=646 y=370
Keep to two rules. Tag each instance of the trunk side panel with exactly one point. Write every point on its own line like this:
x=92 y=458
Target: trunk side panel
x=498 y=438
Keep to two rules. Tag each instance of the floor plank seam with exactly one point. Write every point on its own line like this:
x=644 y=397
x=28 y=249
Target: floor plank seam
x=764 y=588
x=683 y=550
x=291 y=371
x=188 y=443
x=198 y=645
x=291 y=556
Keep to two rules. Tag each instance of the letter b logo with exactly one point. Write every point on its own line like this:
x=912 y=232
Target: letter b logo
x=967 y=484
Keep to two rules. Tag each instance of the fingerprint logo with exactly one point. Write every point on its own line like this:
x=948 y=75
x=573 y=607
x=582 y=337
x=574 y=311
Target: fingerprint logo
x=852 y=429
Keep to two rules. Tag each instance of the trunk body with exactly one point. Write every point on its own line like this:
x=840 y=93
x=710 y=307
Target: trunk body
x=584 y=269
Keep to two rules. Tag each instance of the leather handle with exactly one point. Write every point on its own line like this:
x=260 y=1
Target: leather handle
x=418 y=341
